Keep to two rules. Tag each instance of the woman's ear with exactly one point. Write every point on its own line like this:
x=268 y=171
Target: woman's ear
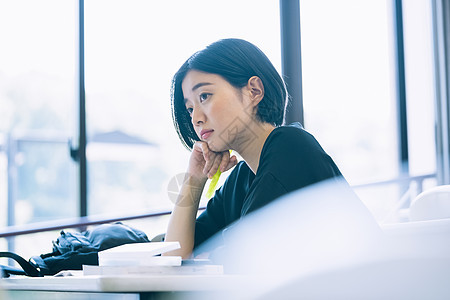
x=256 y=89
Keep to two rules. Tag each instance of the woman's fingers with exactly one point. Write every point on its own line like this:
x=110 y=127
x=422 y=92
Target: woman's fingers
x=208 y=156
x=214 y=163
x=224 y=162
x=231 y=163
x=228 y=161
x=210 y=159
x=214 y=160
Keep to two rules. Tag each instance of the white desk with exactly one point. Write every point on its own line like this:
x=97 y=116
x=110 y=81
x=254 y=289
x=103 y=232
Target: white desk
x=117 y=287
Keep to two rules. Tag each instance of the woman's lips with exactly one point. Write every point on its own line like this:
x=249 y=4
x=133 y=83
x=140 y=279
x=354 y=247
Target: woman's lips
x=204 y=134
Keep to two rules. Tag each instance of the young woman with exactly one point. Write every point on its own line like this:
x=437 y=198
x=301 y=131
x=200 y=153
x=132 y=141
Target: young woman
x=229 y=96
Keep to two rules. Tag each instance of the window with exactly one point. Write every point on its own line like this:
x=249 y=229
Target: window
x=37 y=95
x=349 y=91
x=132 y=49
x=131 y=55
x=37 y=100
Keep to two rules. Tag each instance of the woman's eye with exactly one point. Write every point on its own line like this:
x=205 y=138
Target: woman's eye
x=189 y=110
x=204 y=96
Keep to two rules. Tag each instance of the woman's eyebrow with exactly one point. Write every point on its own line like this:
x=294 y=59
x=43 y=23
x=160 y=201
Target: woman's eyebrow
x=198 y=85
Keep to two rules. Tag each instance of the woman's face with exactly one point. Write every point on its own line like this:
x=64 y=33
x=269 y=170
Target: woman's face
x=219 y=112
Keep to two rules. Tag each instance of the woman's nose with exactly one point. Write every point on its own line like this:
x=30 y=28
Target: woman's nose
x=198 y=116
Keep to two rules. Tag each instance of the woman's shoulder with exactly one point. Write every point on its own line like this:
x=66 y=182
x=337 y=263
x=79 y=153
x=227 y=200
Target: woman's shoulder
x=291 y=146
x=290 y=135
x=295 y=158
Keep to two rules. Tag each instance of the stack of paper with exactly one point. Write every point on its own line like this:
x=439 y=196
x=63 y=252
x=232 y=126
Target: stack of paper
x=144 y=259
x=140 y=254
x=154 y=270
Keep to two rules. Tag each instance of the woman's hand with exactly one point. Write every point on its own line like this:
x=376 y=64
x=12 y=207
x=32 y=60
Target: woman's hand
x=204 y=162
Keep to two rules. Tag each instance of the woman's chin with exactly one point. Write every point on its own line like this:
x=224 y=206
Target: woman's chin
x=217 y=147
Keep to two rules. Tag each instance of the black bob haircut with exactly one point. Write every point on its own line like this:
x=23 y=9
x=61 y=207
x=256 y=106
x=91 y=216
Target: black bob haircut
x=236 y=61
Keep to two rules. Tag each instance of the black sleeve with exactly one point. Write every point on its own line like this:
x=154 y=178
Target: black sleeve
x=266 y=189
x=212 y=220
x=225 y=207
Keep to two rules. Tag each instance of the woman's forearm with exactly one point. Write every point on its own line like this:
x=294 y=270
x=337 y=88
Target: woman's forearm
x=181 y=226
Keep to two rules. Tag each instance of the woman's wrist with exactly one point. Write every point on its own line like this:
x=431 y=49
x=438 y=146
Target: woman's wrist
x=195 y=180
x=191 y=191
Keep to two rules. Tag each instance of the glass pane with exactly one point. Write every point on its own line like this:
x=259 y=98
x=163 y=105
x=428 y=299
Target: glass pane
x=348 y=88
x=37 y=100
x=348 y=92
x=131 y=56
x=46 y=181
x=3 y=185
x=420 y=91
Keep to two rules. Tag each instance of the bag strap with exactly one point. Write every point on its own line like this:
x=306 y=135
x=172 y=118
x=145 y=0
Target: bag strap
x=28 y=267
x=6 y=271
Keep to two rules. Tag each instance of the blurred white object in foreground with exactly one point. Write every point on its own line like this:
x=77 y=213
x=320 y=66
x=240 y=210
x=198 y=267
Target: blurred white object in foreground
x=432 y=204
x=321 y=242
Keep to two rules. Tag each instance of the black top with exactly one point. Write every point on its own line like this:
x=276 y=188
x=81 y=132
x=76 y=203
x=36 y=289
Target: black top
x=291 y=159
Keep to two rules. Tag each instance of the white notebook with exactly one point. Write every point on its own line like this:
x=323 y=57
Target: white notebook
x=140 y=254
